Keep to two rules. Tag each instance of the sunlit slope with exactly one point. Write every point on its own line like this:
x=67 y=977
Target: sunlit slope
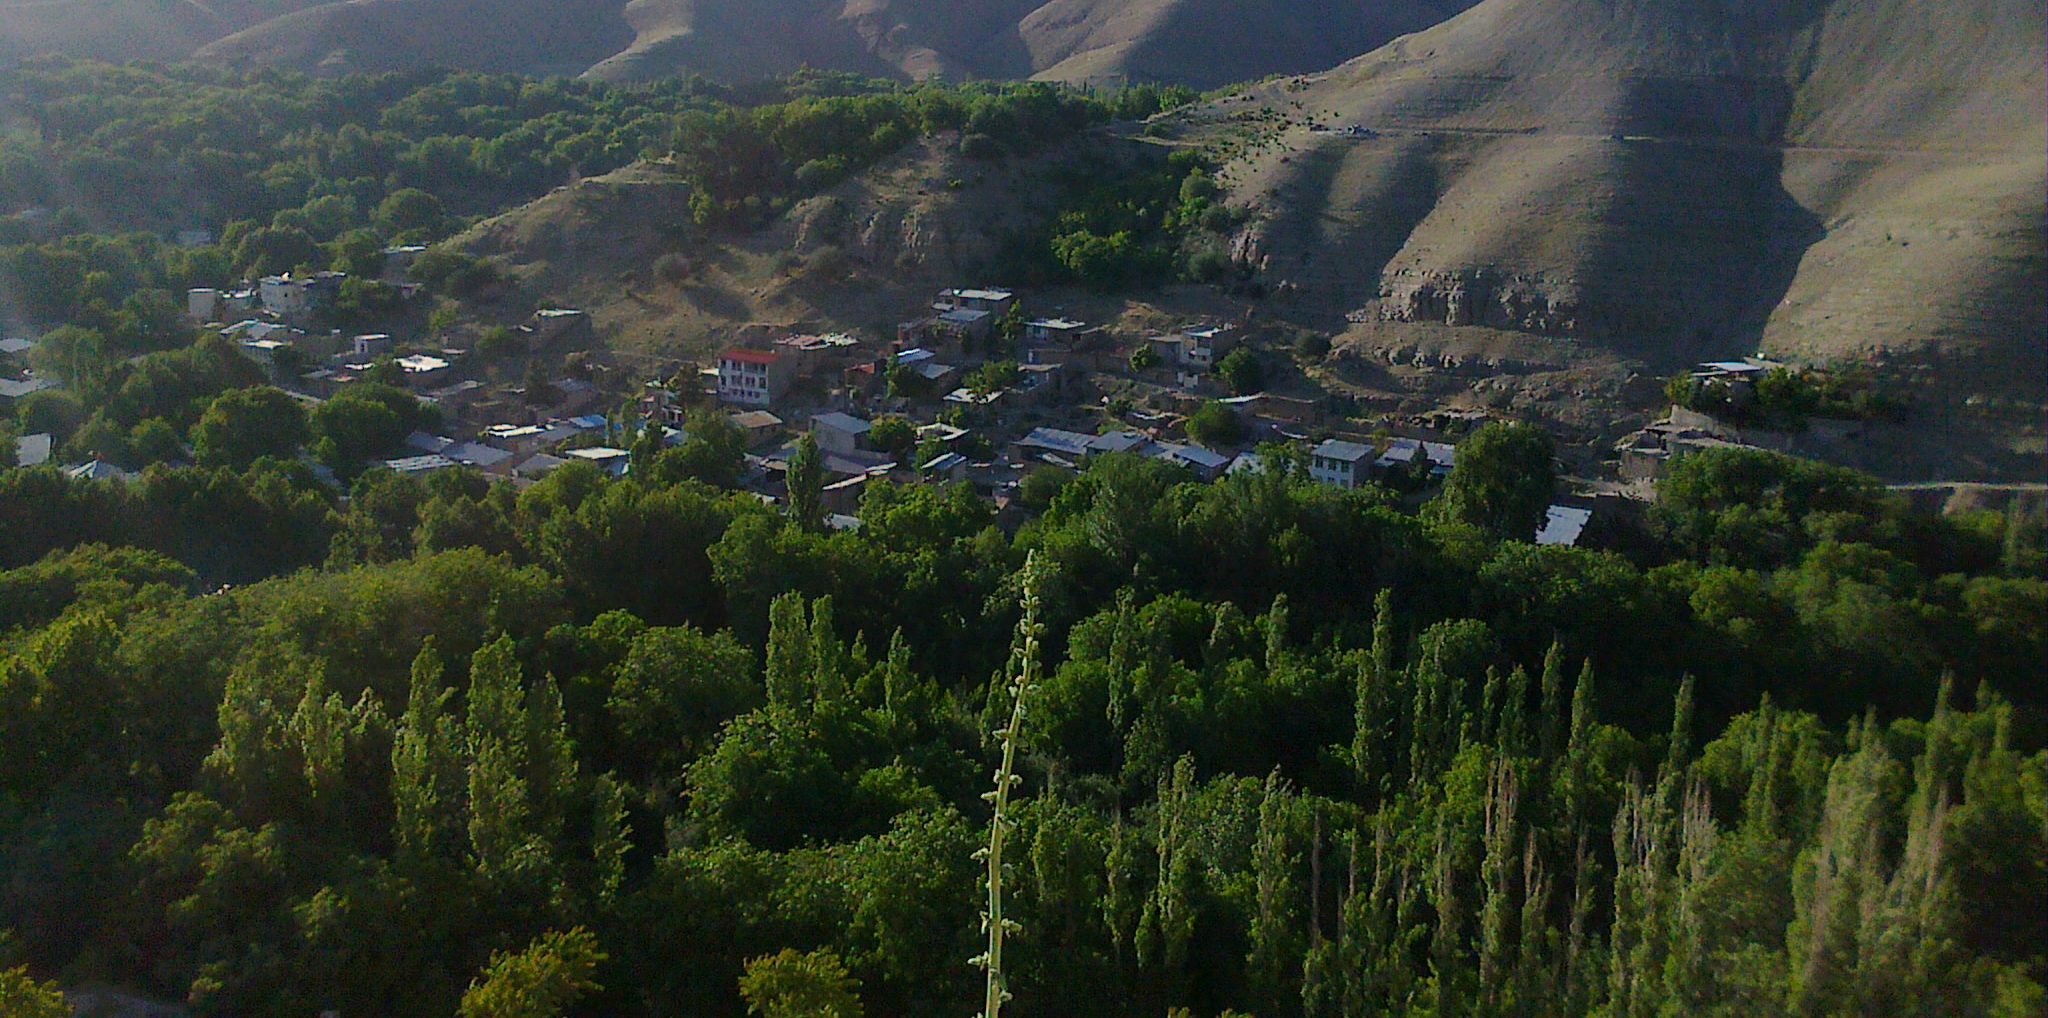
x=523 y=36
x=1678 y=177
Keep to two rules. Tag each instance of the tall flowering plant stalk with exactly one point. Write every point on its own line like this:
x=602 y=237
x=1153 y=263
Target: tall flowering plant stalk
x=1024 y=670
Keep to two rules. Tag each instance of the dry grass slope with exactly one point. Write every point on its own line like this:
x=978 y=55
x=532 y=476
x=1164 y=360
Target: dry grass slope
x=1671 y=179
x=1198 y=42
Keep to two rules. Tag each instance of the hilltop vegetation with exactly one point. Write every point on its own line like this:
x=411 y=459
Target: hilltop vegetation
x=293 y=174
x=661 y=749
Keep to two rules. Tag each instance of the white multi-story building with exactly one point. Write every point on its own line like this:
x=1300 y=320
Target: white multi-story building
x=1339 y=464
x=751 y=377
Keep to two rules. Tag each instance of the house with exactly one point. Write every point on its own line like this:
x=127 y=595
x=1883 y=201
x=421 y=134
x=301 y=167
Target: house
x=1067 y=448
x=417 y=465
x=843 y=497
x=289 y=296
x=808 y=355
x=202 y=303
x=1339 y=464
x=253 y=329
x=551 y=325
x=1649 y=453
x=458 y=398
x=754 y=378
x=1247 y=463
x=1203 y=463
x=1205 y=346
x=1060 y=332
x=421 y=370
x=1399 y=454
x=527 y=439
x=15 y=390
x=841 y=433
x=32 y=450
x=614 y=462
x=285 y=295
x=950 y=466
x=96 y=470
x=1563 y=525
x=234 y=303
x=1196 y=350
x=1748 y=369
x=537 y=466
x=962 y=325
x=425 y=443
x=938 y=376
x=942 y=433
x=398 y=259
x=478 y=455
x=760 y=427
x=1734 y=380
x=194 y=238
x=576 y=396
x=370 y=346
x=15 y=346
x=993 y=302
x=1121 y=441
x=969 y=398
x=1043 y=382
x=263 y=351
x=1442 y=458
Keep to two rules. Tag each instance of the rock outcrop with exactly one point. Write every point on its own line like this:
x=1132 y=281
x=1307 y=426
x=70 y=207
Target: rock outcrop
x=1523 y=303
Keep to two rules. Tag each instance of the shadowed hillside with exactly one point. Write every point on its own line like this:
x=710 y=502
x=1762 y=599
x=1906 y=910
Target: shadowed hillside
x=127 y=29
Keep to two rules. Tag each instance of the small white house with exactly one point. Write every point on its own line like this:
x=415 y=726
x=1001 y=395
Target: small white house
x=837 y=432
x=202 y=304
x=1339 y=464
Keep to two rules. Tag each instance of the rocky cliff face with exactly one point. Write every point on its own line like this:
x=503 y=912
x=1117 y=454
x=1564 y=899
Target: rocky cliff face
x=1477 y=297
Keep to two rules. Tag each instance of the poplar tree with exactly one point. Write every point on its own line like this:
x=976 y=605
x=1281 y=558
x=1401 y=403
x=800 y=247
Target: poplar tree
x=1497 y=918
x=1273 y=927
x=789 y=665
x=1372 y=703
x=495 y=728
x=1551 y=720
x=806 y=485
x=426 y=769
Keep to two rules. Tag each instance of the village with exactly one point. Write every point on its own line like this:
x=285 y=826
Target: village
x=971 y=388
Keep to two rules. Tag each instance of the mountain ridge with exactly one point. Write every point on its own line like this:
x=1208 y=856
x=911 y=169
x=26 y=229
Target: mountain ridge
x=1204 y=43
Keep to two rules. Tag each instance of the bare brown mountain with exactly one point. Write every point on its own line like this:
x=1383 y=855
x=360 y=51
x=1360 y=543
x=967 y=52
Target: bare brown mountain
x=128 y=29
x=1672 y=179
x=1198 y=42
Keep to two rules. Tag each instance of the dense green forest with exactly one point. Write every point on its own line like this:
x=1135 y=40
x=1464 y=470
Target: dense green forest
x=647 y=747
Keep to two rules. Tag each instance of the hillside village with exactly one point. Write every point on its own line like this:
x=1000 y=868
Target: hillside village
x=972 y=387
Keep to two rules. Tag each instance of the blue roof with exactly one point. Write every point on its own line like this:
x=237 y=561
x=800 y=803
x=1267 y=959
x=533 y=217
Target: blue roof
x=1195 y=456
x=1119 y=441
x=1072 y=443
